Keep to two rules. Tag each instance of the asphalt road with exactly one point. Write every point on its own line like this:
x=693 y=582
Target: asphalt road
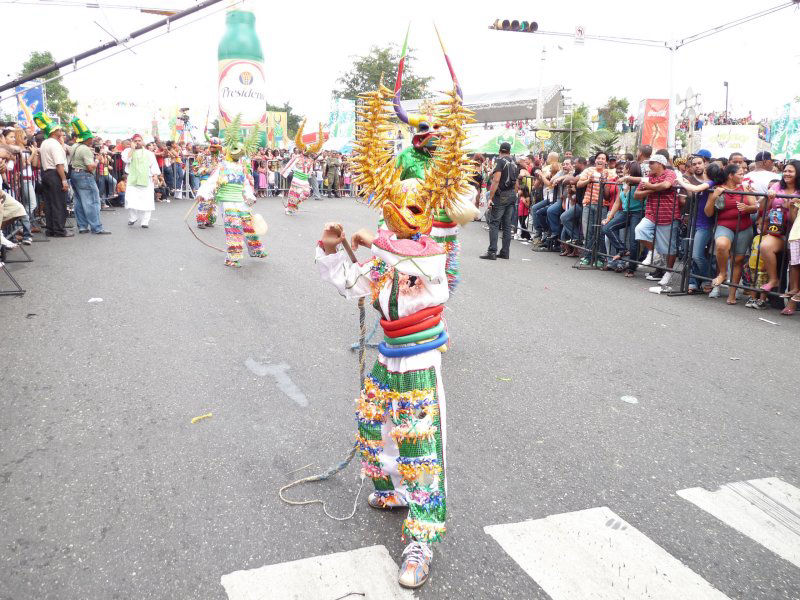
x=109 y=491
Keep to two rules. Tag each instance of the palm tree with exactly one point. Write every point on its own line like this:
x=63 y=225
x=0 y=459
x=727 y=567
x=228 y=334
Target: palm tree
x=581 y=137
x=605 y=141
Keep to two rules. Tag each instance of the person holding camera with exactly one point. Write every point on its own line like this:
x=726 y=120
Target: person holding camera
x=502 y=202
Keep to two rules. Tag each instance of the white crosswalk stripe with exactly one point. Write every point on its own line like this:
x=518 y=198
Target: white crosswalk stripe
x=594 y=554
x=363 y=573
x=765 y=510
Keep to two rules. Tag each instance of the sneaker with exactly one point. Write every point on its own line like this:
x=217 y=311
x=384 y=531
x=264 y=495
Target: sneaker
x=503 y=256
x=751 y=303
x=145 y=226
x=655 y=275
x=664 y=281
x=233 y=263
x=648 y=260
x=585 y=262
x=131 y=223
x=714 y=293
x=27 y=241
x=386 y=500
x=761 y=304
x=599 y=264
x=416 y=565
x=488 y=256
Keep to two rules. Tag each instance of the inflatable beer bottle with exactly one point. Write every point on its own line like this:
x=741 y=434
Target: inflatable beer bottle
x=241 y=89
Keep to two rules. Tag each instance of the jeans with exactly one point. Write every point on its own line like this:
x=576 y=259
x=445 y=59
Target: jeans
x=570 y=219
x=179 y=176
x=538 y=225
x=312 y=180
x=194 y=182
x=553 y=218
x=87 y=201
x=169 y=177
x=627 y=221
x=107 y=186
x=501 y=214
x=701 y=265
x=591 y=229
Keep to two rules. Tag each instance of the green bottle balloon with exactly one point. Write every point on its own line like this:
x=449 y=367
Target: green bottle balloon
x=242 y=85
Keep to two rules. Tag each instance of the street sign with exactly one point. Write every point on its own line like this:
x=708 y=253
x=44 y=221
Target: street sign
x=543 y=135
x=580 y=34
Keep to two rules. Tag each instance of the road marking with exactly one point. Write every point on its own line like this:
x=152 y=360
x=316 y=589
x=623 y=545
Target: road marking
x=765 y=510
x=282 y=379
x=364 y=573
x=594 y=554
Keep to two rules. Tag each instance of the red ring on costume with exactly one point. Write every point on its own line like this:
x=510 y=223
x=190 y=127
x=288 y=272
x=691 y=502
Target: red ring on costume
x=413 y=318
x=421 y=326
x=443 y=225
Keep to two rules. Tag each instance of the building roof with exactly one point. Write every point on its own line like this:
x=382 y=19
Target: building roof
x=509 y=105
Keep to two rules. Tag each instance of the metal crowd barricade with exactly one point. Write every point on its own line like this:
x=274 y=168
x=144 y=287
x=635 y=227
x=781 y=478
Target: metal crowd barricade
x=760 y=229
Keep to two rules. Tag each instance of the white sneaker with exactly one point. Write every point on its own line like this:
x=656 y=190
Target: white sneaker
x=714 y=293
x=648 y=260
x=665 y=279
x=416 y=565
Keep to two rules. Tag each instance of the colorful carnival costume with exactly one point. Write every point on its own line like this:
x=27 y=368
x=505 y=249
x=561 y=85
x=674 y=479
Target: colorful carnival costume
x=230 y=186
x=401 y=409
x=301 y=166
x=203 y=166
x=414 y=162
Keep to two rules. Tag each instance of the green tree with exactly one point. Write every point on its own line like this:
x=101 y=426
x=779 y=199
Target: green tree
x=56 y=96
x=293 y=120
x=580 y=139
x=366 y=72
x=605 y=141
x=613 y=113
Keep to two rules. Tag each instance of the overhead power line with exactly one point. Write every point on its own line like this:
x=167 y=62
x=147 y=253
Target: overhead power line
x=107 y=46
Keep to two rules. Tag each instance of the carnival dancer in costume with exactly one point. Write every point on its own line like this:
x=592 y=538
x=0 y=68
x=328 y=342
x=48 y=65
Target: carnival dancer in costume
x=401 y=410
x=230 y=186
x=142 y=169
x=415 y=159
x=301 y=165
x=203 y=166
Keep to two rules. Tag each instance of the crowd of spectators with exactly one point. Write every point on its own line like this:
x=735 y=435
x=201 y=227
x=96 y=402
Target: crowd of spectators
x=724 y=217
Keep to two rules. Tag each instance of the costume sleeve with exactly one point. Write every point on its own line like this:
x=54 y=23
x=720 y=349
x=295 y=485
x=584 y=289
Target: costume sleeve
x=208 y=187
x=154 y=169
x=351 y=279
x=126 y=156
x=247 y=189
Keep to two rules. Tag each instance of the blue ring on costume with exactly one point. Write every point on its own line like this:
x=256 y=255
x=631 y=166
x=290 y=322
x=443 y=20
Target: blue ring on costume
x=404 y=351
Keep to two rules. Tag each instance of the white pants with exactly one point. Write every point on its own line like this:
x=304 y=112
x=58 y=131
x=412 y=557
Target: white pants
x=135 y=215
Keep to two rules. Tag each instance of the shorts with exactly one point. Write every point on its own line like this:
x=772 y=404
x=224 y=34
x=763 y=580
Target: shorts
x=744 y=239
x=665 y=243
x=761 y=278
x=794 y=253
x=12 y=209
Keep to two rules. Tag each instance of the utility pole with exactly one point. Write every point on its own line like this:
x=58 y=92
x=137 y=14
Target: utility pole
x=725 y=83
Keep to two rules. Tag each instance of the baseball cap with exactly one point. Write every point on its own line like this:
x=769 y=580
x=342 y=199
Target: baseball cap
x=505 y=147
x=659 y=159
x=136 y=135
x=703 y=153
x=762 y=156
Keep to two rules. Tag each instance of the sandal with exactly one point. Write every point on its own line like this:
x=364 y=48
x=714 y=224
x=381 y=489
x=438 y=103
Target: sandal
x=790 y=293
x=732 y=302
x=795 y=298
x=629 y=274
x=718 y=280
x=787 y=312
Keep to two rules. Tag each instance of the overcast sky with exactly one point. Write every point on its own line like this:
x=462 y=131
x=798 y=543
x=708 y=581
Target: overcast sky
x=307 y=45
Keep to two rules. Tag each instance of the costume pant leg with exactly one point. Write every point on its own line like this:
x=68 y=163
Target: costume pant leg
x=145 y=216
x=400 y=435
x=233 y=233
x=254 y=247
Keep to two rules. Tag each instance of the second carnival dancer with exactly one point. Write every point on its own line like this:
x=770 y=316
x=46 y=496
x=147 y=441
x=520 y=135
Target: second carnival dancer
x=203 y=166
x=400 y=413
x=230 y=186
x=300 y=166
x=415 y=159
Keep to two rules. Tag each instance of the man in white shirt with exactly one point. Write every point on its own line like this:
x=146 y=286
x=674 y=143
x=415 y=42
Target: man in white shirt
x=54 y=177
x=763 y=174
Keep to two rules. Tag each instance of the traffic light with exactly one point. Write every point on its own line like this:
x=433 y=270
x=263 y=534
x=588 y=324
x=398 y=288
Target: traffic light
x=515 y=25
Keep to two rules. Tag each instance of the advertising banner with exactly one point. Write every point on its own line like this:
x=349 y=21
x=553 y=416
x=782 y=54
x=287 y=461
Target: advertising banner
x=277 y=136
x=30 y=100
x=342 y=119
x=241 y=92
x=785 y=132
x=654 y=119
x=723 y=140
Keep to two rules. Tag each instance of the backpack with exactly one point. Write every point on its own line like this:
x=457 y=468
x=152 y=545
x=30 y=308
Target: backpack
x=509 y=174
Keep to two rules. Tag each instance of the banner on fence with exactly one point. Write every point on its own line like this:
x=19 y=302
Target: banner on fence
x=276 y=130
x=342 y=119
x=723 y=140
x=654 y=118
x=785 y=132
x=30 y=100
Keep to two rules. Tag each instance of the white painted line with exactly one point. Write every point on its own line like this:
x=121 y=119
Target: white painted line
x=369 y=572
x=765 y=510
x=594 y=554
